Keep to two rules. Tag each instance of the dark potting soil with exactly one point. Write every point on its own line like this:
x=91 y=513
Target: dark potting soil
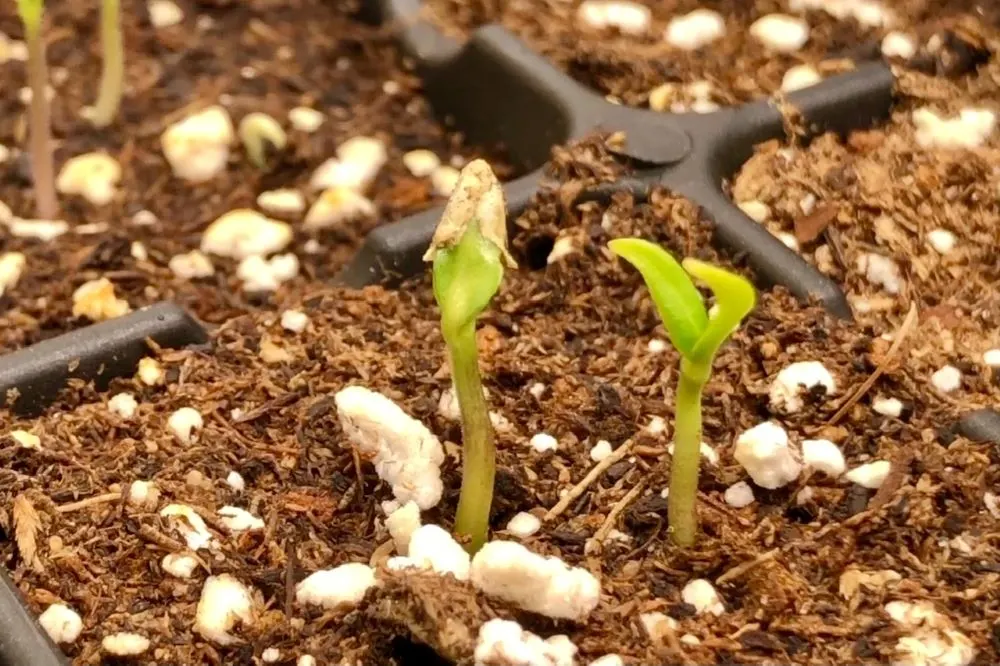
x=804 y=578
x=258 y=56
x=884 y=194
x=737 y=66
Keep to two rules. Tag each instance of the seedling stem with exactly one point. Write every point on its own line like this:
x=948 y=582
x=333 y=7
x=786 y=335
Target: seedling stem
x=113 y=72
x=42 y=169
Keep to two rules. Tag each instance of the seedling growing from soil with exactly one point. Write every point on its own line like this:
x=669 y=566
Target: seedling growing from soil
x=698 y=337
x=42 y=169
x=469 y=251
x=113 y=73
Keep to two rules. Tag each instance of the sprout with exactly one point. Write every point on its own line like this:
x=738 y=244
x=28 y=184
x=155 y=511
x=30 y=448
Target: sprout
x=469 y=251
x=261 y=136
x=113 y=73
x=697 y=336
x=42 y=169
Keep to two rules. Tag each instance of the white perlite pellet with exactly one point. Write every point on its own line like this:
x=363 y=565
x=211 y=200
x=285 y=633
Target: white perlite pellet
x=823 y=456
x=992 y=358
x=601 y=450
x=739 y=495
x=799 y=77
x=942 y=240
x=947 y=379
x=870 y=475
x=702 y=595
x=629 y=17
x=543 y=442
x=880 y=271
x=899 y=45
x=695 y=29
x=764 y=453
x=294 y=320
x=793 y=380
x=61 y=623
x=524 y=524
x=969 y=130
x=780 y=32
x=888 y=406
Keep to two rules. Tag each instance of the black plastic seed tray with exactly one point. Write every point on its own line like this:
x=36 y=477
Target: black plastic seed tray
x=495 y=89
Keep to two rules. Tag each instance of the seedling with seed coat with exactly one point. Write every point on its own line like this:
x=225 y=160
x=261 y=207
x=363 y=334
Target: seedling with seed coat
x=469 y=251
x=697 y=336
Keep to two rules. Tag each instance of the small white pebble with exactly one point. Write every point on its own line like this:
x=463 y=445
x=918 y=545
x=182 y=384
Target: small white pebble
x=11 y=267
x=656 y=426
x=336 y=206
x=342 y=587
x=562 y=248
x=421 y=163
x=656 y=346
x=823 y=456
x=184 y=423
x=189 y=524
x=282 y=202
x=629 y=17
x=138 y=251
x=92 y=176
x=150 y=372
x=608 y=660
x=294 y=320
x=270 y=655
x=143 y=495
x=898 y=45
x=992 y=503
x=402 y=522
x=601 y=450
x=26 y=440
x=96 y=301
x=710 y=455
x=758 y=211
x=870 y=475
x=306 y=660
x=888 y=406
x=124 y=405
x=881 y=271
x=224 y=602
x=739 y=495
x=61 y=623
x=179 y=565
x=764 y=453
x=191 y=265
x=43 y=230
x=799 y=77
x=537 y=390
x=236 y=519
x=197 y=146
x=524 y=524
x=702 y=595
x=164 y=13
x=304 y=119
x=690 y=639
x=125 y=644
x=144 y=218
x=789 y=240
x=992 y=358
x=243 y=233
x=969 y=130
x=658 y=625
x=235 y=481
x=695 y=29
x=780 y=32
x=793 y=380
x=947 y=379
x=357 y=164
x=942 y=240
x=543 y=442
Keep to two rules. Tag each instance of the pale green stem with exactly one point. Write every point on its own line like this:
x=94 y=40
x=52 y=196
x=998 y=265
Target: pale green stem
x=687 y=453
x=42 y=168
x=113 y=73
x=478 y=449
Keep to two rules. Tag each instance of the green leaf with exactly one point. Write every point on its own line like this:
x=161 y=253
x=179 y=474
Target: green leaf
x=677 y=300
x=466 y=277
x=735 y=298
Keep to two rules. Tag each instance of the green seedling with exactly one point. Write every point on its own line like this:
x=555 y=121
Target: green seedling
x=697 y=336
x=469 y=252
x=113 y=73
x=42 y=169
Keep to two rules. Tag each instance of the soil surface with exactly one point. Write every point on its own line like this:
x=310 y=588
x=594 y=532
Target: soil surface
x=803 y=575
x=255 y=56
x=883 y=193
x=738 y=67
